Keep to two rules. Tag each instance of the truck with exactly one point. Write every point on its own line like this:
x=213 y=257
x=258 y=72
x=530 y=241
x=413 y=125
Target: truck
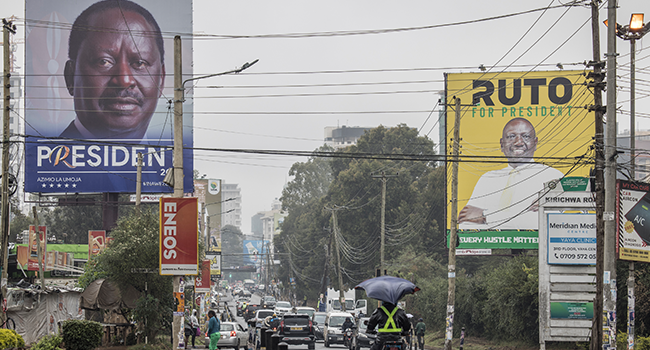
x=351 y=304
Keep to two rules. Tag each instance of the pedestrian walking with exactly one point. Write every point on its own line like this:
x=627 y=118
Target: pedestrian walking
x=214 y=326
x=420 y=328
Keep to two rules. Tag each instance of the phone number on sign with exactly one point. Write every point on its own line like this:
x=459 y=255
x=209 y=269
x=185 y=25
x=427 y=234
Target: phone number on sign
x=577 y=256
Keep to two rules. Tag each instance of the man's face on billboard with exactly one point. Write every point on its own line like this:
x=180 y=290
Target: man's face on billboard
x=117 y=77
x=518 y=142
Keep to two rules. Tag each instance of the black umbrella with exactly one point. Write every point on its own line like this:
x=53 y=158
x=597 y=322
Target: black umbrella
x=387 y=288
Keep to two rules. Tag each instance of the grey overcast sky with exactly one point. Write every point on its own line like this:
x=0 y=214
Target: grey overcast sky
x=310 y=76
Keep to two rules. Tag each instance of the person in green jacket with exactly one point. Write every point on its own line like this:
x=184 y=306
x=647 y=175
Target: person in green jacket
x=214 y=326
x=420 y=328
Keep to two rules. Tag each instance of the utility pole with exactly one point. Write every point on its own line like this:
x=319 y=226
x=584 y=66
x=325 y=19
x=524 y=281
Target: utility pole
x=597 y=75
x=39 y=249
x=138 y=184
x=7 y=27
x=178 y=161
x=383 y=178
x=609 y=272
x=451 y=273
x=338 y=259
x=323 y=284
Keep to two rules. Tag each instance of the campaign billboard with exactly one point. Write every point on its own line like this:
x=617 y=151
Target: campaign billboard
x=633 y=208
x=98 y=85
x=179 y=238
x=254 y=251
x=518 y=130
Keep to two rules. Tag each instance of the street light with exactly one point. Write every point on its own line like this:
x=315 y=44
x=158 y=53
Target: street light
x=632 y=32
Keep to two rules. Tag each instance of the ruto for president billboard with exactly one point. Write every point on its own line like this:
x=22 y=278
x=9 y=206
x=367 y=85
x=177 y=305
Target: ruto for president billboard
x=518 y=130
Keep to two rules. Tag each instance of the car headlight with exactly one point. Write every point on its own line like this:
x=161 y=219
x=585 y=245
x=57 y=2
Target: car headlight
x=331 y=331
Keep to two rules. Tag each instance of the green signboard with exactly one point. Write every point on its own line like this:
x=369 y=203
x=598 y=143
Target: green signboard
x=574 y=183
x=575 y=311
x=507 y=239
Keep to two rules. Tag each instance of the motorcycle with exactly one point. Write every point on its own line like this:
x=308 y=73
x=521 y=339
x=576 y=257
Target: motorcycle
x=347 y=337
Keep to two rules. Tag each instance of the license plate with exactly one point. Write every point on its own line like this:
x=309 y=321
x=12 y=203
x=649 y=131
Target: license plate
x=296 y=328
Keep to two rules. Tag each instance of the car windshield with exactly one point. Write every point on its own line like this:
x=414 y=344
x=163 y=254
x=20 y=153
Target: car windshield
x=267 y=298
x=226 y=327
x=265 y=313
x=349 y=305
x=320 y=318
x=306 y=312
x=337 y=321
x=283 y=304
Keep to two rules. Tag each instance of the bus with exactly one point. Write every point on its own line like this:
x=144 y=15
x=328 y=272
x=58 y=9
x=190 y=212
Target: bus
x=249 y=285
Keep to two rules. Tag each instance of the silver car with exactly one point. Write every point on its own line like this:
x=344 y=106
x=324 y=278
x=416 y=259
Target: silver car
x=282 y=307
x=233 y=335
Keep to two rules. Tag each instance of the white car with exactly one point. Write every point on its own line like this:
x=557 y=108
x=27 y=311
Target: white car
x=333 y=332
x=282 y=307
x=233 y=335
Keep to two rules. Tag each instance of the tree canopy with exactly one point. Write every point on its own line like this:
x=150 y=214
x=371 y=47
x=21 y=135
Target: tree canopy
x=350 y=184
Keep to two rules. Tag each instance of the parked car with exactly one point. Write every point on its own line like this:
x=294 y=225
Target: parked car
x=361 y=339
x=319 y=324
x=282 y=307
x=297 y=329
x=333 y=332
x=233 y=335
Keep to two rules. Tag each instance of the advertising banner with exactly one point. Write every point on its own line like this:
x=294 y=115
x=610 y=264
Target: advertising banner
x=633 y=204
x=98 y=81
x=571 y=238
x=96 y=242
x=253 y=251
x=522 y=130
x=51 y=259
x=576 y=311
x=179 y=239
x=22 y=256
x=215 y=263
x=34 y=239
x=202 y=284
x=498 y=240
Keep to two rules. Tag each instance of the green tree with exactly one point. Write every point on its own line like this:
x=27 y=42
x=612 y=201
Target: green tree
x=135 y=247
x=232 y=242
x=311 y=180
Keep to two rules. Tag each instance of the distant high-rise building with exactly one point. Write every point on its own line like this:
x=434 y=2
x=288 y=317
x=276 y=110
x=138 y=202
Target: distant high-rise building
x=344 y=136
x=231 y=205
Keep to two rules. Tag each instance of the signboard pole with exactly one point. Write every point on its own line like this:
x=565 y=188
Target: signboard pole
x=39 y=249
x=178 y=165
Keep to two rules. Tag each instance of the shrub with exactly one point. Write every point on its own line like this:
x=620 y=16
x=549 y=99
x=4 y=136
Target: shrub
x=82 y=334
x=48 y=342
x=10 y=339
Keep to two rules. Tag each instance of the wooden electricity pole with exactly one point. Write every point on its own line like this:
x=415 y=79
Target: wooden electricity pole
x=8 y=27
x=178 y=161
x=597 y=323
x=383 y=177
x=451 y=292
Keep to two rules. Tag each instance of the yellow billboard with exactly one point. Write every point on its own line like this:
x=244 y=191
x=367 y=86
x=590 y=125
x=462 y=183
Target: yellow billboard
x=518 y=130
